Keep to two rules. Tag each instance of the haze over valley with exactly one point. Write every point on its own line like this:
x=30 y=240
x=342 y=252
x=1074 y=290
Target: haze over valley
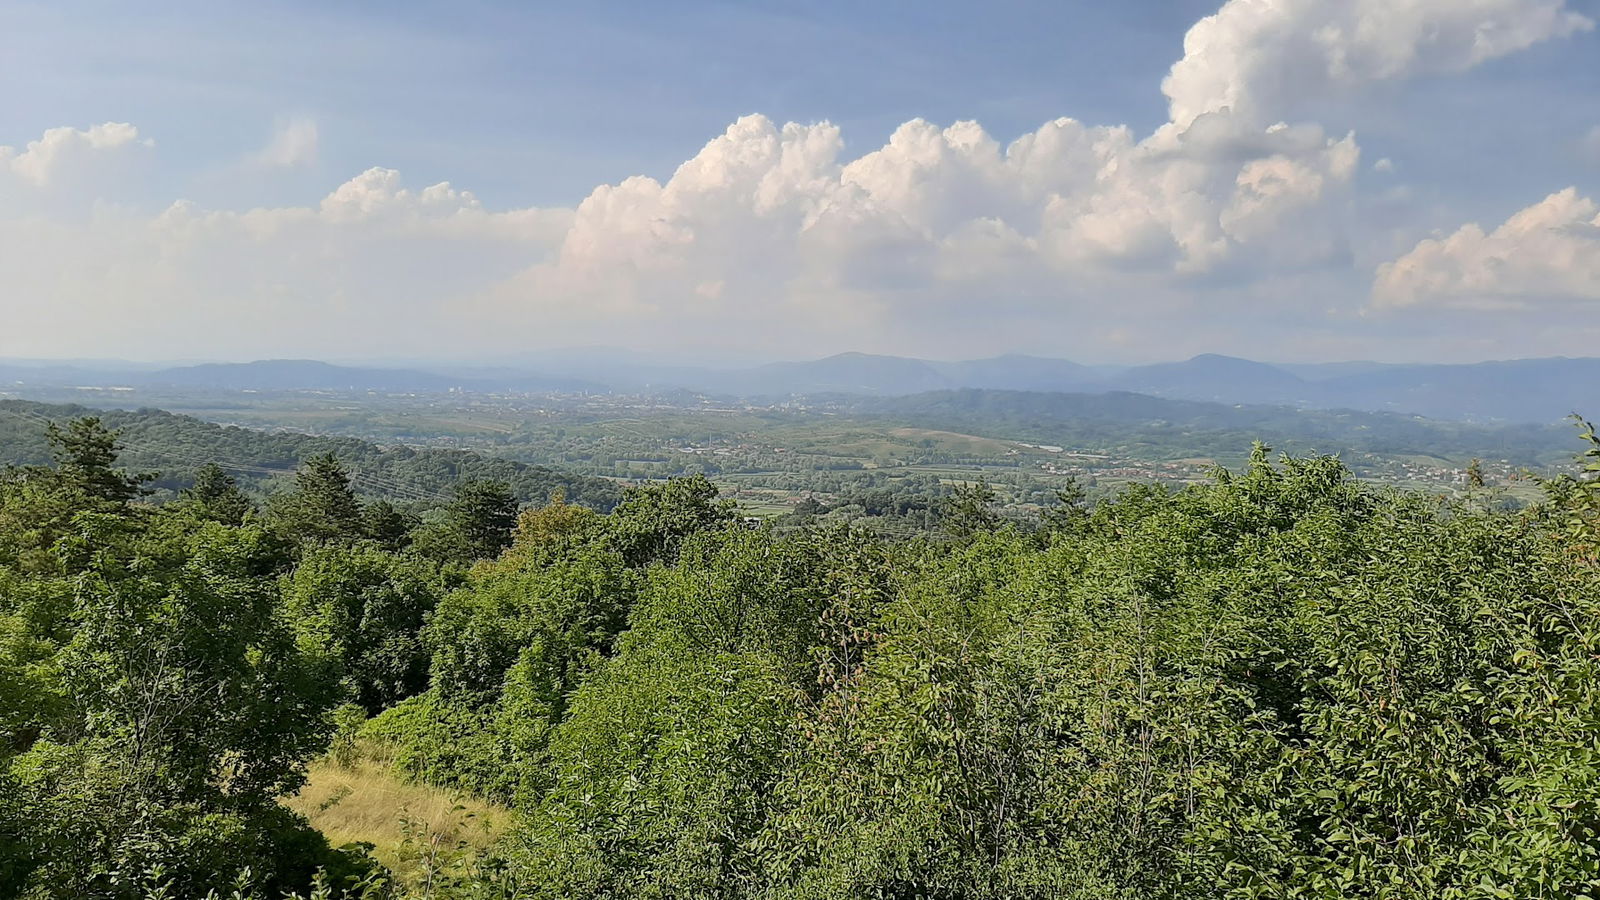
x=1525 y=390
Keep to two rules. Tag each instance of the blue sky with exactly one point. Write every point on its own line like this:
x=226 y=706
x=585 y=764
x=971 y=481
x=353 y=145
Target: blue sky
x=206 y=229
x=538 y=103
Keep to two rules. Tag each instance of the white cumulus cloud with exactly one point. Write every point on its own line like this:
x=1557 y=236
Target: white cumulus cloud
x=767 y=211
x=1253 y=56
x=772 y=205
x=42 y=161
x=774 y=237
x=1549 y=251
x=372 y=265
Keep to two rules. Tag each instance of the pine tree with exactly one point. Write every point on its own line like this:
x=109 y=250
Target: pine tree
x=478 y=524
x=85 y=454
x=389 y=526
x=323 y=508
x=216 y=496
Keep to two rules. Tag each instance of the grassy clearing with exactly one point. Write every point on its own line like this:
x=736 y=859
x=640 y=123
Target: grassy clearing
x=954 y=441
x=366 y=801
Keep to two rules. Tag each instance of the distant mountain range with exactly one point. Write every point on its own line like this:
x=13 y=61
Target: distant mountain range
x=1526 y=390
x=1529 y=390
x=290 y=375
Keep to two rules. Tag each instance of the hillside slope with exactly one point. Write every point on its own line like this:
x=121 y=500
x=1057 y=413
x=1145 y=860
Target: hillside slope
x=1157 y=427
x=176 y=446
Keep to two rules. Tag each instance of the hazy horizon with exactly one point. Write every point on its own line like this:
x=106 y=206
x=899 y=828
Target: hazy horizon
x=602 y=355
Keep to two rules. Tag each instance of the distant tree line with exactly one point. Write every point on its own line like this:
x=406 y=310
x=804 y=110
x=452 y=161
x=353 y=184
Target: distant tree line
x=263 y=462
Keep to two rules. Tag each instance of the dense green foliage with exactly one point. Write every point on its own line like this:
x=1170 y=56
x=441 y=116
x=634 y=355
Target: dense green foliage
x=181 y=446
x=1282 y=683
x=156 y=703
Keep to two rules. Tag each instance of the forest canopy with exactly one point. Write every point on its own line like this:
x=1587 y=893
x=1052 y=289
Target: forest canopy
x=1280 y=683
x=262 y=461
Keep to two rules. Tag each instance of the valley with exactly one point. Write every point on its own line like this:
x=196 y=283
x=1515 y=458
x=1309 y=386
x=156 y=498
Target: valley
x=883 y=461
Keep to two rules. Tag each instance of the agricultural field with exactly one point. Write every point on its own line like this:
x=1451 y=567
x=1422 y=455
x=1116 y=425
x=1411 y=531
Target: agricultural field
x=773 y=457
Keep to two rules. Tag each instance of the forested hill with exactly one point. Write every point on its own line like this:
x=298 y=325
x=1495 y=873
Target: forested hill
x=1159 y=427
x=176 y=446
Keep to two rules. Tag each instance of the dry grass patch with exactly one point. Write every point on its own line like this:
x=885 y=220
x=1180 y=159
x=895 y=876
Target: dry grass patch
x=366 y=802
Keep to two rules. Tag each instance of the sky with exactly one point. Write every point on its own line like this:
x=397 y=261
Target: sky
x=1290 y=180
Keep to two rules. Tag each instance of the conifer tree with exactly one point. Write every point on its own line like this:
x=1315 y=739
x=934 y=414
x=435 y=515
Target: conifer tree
x=215 y=495
x=85 y=454
x=323 y=507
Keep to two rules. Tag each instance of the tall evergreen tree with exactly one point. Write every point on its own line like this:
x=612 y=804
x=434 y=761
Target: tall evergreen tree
x=323 y=507
x=85 y=454
x=485 y=514
x=477 y=524
x=391 y=527
x=216 y=496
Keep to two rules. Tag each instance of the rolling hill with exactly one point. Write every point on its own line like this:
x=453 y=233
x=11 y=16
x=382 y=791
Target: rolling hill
x=262 y=461
x=1157 y=427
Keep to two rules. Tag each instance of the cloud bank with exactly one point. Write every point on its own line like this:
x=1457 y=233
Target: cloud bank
x=1255 y=57
x=42 y=161
x=774 y=238
x=1547 y=252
